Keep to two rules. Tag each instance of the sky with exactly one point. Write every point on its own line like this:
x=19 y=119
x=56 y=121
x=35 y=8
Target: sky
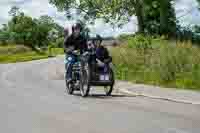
x=36 y=8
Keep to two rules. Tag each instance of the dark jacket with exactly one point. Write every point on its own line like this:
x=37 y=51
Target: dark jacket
x=102 y=54
x=79 y=43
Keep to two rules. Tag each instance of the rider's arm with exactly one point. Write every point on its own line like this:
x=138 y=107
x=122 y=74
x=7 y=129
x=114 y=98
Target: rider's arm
x=67 y=45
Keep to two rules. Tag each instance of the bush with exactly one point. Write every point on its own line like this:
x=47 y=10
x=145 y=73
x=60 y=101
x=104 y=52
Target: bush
x=140 y=41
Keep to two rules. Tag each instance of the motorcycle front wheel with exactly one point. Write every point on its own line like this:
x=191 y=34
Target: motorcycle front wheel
x=84 y=80
x=69 y=88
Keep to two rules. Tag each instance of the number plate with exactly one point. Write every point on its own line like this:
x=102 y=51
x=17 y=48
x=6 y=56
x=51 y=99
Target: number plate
x=104 y=77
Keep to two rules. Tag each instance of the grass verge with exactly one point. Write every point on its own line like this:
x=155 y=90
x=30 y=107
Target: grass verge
x=165 y=64
x=21 y=57
x=13 y=54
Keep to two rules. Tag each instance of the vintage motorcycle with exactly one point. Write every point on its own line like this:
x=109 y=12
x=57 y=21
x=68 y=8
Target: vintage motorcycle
x=86 y=72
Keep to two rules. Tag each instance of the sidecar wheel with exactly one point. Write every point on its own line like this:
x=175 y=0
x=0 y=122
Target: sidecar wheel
x=108 y=89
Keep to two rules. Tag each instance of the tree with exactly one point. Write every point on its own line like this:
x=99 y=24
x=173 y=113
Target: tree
x=5 y=27
x=199 y=3
x=31 y=32
x=14 y=11
x=117 y=11
x=59 y=29
x=45 y=24
x=4 y=37
x=197 y=28
x=46 y=20
x=111 y=11
x=159 y=17
x=152 y=16
x=4 y=34
x=21 y=29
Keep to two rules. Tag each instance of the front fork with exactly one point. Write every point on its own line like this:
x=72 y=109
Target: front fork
x=66 y=69
x=75 y=75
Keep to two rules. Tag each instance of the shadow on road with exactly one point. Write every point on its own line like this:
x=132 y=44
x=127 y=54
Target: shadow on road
x=102 y=96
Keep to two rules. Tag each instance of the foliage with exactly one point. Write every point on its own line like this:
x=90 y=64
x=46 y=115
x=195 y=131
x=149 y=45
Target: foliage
x=118 y=12
x=197 y=28
x=159 y=17
x=198 y=2
x=59 y=29
x=4 y=36
x=90 y=10
x=14 y=11
x=152 y=16
x=21 y=29
x=59 y=42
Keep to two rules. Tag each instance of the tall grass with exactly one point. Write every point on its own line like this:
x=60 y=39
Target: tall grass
x=161 y=64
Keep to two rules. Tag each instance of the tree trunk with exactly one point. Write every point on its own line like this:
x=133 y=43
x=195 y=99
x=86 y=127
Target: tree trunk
x=163 y=16
x=167 y=18
x=140 y=16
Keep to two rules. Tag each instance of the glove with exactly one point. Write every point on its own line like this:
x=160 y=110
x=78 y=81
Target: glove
x=69 y=49
x=100 y=63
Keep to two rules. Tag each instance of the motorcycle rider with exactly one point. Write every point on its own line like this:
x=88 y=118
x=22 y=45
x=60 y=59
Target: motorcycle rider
x=74 y=42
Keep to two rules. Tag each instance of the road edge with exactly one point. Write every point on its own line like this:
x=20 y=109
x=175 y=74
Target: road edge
x=126 y=91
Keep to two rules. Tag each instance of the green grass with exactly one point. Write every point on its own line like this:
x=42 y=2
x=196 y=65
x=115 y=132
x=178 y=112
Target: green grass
x=57 y=51
x=13 y=54
x=166 y=64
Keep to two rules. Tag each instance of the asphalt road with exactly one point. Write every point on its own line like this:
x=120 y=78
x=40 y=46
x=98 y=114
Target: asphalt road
x=33 y=100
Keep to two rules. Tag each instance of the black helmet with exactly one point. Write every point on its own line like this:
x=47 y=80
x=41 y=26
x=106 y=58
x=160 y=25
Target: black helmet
x=77 y=26
x=99 y=38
